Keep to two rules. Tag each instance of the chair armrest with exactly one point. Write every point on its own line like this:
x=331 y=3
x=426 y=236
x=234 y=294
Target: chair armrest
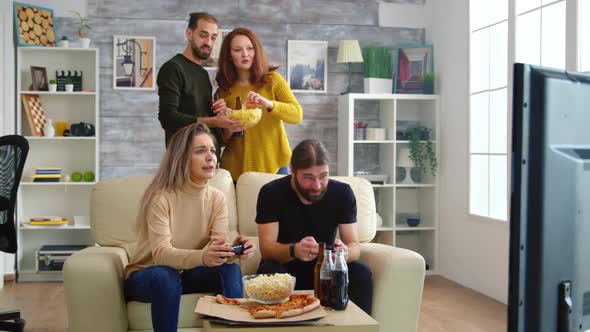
x=93 y=281
x=398 y=280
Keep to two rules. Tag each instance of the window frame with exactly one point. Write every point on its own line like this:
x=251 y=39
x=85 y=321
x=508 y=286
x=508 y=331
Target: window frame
x=572 y=62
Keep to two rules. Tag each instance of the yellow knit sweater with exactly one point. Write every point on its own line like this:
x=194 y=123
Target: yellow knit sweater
x=264 y=147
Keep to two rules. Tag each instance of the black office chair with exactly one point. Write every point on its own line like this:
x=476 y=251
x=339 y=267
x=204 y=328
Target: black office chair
x=13 y=153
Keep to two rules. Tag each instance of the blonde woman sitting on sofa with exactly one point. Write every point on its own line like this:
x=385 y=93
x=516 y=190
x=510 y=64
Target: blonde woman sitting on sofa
x=183 y=225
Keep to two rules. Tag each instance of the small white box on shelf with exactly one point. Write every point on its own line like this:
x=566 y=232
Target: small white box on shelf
x=82 y=220
x=375 y=134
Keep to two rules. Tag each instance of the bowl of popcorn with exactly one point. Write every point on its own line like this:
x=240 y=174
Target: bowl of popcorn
x=269 y=288
x=248 y=116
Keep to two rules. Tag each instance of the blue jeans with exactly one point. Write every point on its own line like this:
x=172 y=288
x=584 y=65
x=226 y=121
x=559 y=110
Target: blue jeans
x=284 y=170
x=162 y=286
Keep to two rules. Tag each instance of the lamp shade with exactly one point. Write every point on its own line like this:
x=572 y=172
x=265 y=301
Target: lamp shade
x=349 y=51
x=403 y=158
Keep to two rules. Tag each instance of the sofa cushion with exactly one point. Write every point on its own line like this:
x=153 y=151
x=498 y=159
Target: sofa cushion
x=249 y=185
x=139 y=314
x=115 y=204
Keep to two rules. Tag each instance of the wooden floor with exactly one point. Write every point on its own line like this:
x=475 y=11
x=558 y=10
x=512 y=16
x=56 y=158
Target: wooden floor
x=446 y=307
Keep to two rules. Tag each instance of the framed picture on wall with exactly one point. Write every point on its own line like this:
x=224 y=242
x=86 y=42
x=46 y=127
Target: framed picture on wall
x=307 y=69
x=134 y=61
x=413 y=66
x=33 y=25
x=211 y=62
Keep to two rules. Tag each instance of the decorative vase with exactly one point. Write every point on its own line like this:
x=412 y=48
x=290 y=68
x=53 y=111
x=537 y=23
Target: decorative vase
x=52 y=87
x=84 y=42
x=69 y=88
x=49 y=131
x=428 y=88
x=413 y=220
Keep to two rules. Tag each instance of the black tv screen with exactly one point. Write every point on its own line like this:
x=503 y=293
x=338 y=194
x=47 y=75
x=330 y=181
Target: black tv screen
x=549 y=281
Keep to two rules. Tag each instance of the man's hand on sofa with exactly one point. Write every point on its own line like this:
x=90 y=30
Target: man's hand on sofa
x=217 y=253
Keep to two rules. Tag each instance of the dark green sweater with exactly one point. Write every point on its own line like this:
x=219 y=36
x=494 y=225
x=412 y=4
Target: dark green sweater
x=185 y=94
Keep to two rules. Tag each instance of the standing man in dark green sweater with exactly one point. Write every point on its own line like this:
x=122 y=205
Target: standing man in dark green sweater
x=184 y=87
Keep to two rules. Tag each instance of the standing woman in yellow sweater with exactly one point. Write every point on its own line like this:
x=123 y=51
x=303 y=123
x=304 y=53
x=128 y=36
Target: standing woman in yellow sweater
x=182 y=245
x=244 y=72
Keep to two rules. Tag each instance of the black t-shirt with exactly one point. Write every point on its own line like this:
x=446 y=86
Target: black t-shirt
x=277 y=201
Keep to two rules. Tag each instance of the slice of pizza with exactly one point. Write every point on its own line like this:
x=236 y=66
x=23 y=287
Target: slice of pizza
x=298 y=304
x=226 y=300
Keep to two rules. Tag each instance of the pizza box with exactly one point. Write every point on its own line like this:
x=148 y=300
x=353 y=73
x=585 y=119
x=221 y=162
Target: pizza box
x=208 y=306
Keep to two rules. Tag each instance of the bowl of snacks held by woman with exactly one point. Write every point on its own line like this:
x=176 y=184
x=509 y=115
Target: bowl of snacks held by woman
x=248 y=116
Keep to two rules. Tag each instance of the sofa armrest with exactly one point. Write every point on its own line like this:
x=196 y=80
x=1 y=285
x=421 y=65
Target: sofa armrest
x=398 y=280
x=93 y=281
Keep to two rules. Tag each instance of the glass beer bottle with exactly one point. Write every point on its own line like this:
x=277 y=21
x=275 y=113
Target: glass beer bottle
x=238 y=107
x=316 y=270
x=340 y=282
x=326 y=279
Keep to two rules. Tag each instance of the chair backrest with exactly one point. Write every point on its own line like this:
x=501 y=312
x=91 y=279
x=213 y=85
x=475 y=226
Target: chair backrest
x=115 y=204
x=13 y=154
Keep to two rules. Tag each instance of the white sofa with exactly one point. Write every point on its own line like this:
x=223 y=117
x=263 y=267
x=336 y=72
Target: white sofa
x=93 y=277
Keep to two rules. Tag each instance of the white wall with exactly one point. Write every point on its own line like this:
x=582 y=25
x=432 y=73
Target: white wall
x=7 y=102
x=472 y=251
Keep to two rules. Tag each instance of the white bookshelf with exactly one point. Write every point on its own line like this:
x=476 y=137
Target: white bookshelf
x=393 y=200
x=71 y=154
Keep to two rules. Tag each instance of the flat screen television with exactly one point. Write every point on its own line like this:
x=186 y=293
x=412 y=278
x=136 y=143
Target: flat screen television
x=549 y=281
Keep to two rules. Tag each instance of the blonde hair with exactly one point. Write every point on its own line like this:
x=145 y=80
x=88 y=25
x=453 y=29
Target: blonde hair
x=174 y=170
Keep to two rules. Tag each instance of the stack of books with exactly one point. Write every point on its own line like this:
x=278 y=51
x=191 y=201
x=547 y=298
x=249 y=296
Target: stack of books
x=47 y=174
x=47 y=221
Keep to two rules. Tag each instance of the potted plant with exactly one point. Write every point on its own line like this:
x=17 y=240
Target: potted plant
x=378 y=68
x=52 y=86
x=64 y=42
x=427 y=83
x=83 y=23
x=422 y=151
x=69 y=84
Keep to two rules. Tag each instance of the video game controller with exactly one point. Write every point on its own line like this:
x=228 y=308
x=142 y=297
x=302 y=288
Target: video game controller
x=238 y=249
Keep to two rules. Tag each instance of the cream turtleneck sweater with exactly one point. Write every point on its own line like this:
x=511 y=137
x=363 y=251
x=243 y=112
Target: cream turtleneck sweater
x=179 y=226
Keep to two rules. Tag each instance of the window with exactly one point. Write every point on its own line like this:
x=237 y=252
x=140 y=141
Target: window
x=584 y=35
x=536 y=30
x=489 y=109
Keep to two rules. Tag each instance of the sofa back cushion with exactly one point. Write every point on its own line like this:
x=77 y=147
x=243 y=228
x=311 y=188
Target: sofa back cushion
x=249 y=185
x=115 y=204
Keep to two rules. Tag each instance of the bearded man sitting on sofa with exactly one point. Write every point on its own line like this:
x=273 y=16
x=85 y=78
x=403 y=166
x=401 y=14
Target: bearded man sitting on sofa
x=296 y=212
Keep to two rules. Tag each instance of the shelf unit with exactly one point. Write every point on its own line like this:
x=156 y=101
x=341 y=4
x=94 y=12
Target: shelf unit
x=394 y=200
x=71 y=154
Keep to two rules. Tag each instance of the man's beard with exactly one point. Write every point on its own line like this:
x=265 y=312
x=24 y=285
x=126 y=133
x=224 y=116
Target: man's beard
x=307 y=193
x=198 y=54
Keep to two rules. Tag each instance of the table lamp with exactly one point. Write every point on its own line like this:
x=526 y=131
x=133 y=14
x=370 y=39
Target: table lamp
x=405 y=165
x=349 y=51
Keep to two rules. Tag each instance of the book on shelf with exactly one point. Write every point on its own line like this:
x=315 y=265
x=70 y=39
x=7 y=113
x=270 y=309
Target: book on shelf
x=43 y=179
x=46 y=218
x=49 y=223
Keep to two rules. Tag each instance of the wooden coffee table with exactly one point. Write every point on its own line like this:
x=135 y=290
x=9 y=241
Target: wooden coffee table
x=353 y=319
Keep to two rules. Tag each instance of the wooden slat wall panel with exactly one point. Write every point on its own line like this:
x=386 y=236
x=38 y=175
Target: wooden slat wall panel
x=132 y=140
